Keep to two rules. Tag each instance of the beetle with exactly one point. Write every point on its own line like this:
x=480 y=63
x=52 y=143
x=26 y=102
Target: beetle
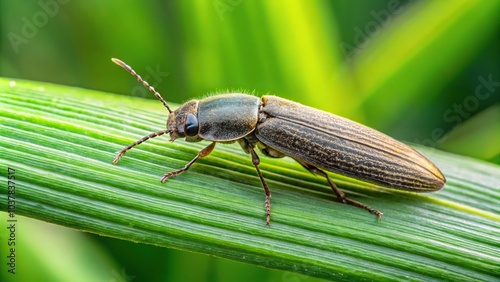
x=318 y=140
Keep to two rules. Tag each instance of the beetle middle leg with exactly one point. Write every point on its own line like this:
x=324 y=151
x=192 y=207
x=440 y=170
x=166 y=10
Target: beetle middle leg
x=340 y=195
x=203 y=153
x=247 y=147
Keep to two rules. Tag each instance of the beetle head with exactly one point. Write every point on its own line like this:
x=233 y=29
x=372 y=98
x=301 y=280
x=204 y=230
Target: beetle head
x=183 y=122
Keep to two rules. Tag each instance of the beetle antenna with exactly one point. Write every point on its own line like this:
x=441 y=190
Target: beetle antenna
x=138 y=142
x=139 y=78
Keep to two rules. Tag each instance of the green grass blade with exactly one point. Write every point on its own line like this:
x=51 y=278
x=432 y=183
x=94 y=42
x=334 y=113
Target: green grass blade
x=477 y=137
x=61 y=141
x=437 y=45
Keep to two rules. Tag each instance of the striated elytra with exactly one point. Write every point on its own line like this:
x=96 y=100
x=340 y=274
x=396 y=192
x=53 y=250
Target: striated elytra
x=318 y=140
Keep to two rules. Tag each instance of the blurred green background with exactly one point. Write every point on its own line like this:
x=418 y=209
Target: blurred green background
x=426 y=72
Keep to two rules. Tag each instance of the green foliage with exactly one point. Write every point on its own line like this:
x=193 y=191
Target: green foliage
x=402 y=67
x=61 y=141
x=420 y=71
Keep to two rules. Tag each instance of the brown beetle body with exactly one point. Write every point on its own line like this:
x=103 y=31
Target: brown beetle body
x=316 y=139
x=340 y=145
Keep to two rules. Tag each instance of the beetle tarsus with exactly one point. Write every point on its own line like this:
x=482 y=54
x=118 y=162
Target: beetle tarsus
x=268 y=208
x=363 y=206
x=171 y=174
x=203 y=153
x=341 y=197
x=256 y=162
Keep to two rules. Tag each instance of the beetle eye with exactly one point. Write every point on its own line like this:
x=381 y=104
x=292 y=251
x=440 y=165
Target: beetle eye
x=191 y=127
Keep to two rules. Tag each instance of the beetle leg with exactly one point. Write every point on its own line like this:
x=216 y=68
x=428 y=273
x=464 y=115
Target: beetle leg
x=203 y=153
x=149 y=136
x=256 y=162
x=340 y=195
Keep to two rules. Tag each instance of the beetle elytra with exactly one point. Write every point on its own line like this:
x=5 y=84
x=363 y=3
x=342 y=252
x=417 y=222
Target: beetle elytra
x=318 y=140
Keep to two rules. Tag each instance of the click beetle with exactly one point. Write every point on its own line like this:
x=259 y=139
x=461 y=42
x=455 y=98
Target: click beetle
x=318 y=140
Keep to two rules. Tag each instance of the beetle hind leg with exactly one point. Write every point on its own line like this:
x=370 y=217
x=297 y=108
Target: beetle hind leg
x=340 y=195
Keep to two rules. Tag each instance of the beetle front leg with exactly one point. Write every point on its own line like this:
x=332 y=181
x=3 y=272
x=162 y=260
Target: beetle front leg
x=203 y=153
x=340 y=195
x=256 y=162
